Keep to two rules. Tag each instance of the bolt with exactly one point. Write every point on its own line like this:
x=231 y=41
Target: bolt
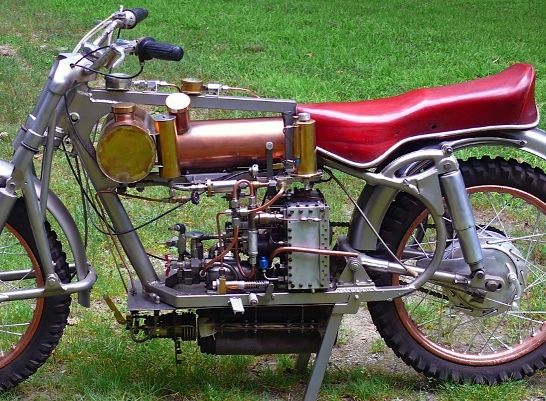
x=480 y=274
x=354 y=265
x=492 y=286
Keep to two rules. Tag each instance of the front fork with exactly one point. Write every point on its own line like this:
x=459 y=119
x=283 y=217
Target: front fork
x=30 y=139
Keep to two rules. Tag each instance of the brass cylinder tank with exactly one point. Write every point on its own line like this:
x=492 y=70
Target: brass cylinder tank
x=178 y=105
x=126 y=152
x=306 y=141
x=166 y=146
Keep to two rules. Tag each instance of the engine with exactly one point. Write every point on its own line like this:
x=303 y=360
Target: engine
x=284 y=243
x=280 y=243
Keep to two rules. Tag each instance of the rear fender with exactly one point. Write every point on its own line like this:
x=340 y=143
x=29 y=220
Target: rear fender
x=374 y=201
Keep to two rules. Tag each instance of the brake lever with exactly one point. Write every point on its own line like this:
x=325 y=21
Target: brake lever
x=123 y=19
x=108 y=31
x=121 y=55
x=121 y=47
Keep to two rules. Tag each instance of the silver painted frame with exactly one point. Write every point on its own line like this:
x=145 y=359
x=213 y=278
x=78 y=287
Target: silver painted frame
x=66 y=90
x=375 y=200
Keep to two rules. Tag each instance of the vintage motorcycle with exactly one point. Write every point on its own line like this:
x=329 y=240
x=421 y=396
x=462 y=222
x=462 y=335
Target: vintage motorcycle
x=448 y=253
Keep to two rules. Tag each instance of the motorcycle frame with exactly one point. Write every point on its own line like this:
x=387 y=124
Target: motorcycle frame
x=92 y=104
x=87 y=106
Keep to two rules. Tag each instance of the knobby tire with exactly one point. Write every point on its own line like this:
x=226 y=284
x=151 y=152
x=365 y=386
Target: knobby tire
x=29 y=329
x=442 y=340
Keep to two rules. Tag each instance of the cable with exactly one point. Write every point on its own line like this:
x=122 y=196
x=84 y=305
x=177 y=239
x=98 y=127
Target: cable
x=105 y=74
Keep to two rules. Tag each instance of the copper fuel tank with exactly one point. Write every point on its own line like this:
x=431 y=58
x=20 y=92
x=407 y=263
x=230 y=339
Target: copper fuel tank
x=230 y=143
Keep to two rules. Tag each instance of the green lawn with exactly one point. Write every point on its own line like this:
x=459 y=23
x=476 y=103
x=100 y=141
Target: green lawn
x=310 y=51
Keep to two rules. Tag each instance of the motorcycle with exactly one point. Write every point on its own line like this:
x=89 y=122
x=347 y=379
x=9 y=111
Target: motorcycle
x=447 y=252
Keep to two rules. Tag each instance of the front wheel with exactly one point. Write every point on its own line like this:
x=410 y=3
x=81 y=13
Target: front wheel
x=29 y=329
x=448 y=333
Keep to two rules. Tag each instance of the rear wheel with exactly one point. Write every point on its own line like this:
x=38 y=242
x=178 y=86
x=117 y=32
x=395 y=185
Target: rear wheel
x=29 y=329
x=453 y=334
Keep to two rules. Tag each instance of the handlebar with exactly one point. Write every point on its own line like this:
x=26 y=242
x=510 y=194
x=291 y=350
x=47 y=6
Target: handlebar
x=135 y=16
x=147 y=49
x=100 y=48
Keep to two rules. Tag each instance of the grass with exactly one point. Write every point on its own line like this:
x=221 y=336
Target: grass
x=315 y=50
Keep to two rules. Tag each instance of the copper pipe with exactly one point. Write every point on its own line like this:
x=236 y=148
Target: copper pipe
x=238 y=183
x=218 y=229
x=272 y=200
x=240 y=268
x=311 y=250
x=224 y=253
x=249 y=91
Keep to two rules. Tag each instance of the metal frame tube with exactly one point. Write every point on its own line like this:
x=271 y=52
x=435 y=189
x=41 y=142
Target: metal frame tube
x=128 y=238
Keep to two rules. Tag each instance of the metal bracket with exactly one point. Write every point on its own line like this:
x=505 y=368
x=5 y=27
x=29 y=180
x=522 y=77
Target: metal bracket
x=354 y=274
x=236 y=305
x=53 y=283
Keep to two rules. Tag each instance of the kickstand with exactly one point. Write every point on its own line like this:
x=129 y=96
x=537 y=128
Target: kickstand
x=321 y=360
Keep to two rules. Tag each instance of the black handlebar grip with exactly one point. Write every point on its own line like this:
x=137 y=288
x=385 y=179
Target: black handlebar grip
x=148 y=48
x=140 y=15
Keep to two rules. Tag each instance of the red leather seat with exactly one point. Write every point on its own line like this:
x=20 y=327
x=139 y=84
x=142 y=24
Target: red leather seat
x=361 y=132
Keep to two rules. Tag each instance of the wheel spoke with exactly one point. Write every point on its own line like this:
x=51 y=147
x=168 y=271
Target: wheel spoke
x=438 y=329
x=16 y=316
x=496 y=216
x=520 y=315
x=12 y=332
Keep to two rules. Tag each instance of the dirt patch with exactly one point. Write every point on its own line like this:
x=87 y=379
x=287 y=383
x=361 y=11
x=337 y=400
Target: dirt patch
x=7 y=51
x=359 y=344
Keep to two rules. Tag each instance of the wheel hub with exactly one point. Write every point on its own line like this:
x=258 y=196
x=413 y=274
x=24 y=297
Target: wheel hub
x=496 y=291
